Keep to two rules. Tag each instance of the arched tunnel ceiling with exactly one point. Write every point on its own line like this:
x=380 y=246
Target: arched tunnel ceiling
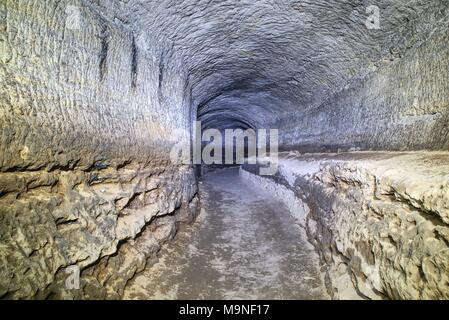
x=256 y=61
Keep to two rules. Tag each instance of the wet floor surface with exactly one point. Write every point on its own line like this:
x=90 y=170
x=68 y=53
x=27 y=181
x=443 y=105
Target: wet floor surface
x=244 y=246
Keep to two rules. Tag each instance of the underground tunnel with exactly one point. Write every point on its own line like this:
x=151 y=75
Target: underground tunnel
x=348 y=100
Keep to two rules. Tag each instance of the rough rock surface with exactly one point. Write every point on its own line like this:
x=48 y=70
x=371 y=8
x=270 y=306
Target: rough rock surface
x=379 y=220
x=110 y=219
x=311 y=68
x=91 y=93
x=85 y=135
x=246 y=246
x=402 y=105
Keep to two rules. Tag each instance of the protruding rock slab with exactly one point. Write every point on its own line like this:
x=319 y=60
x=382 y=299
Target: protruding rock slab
x=104 y=222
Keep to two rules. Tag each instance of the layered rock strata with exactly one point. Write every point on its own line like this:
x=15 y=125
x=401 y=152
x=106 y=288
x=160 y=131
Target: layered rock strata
x=87 y=118
x=380 y=221
x=94 y=94
x=106 y=222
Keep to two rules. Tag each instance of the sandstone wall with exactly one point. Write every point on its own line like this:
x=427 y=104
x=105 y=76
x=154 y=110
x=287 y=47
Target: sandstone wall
x=401 y=105
x=380 y=221
x=91 y=93
x=87 y=108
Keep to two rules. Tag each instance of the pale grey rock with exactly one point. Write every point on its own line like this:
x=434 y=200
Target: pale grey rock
x=91 y=93
x=379 y=220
